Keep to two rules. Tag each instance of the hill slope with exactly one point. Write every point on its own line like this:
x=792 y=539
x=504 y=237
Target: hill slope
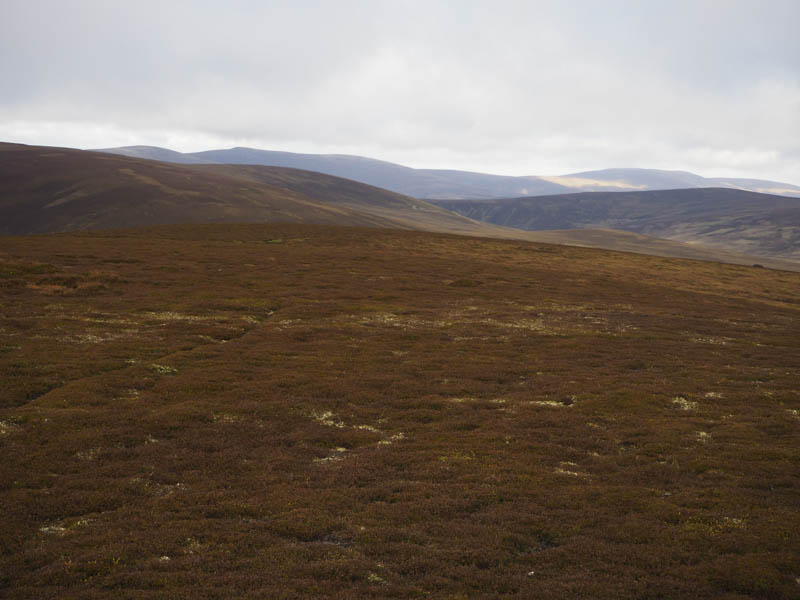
x=448 y=184
x=57 y=189
x=294 y=411
x=735 y=220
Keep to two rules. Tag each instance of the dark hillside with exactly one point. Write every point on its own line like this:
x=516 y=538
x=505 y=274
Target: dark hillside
x=58 y=189
x=734 y=220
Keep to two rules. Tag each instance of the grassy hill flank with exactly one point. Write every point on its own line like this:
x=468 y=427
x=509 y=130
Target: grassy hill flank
x=728 y=219
x=46 y=189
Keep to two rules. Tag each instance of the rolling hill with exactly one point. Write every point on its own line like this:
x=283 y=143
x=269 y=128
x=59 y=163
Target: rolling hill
x=419 y=183
x=735 y=220
x=449 y=184
x=44 y=190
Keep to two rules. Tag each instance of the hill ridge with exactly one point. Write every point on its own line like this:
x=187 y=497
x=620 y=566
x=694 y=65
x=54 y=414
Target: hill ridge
x=454 y=183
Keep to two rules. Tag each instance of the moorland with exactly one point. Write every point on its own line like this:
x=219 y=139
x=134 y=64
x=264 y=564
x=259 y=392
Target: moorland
x=305 y=411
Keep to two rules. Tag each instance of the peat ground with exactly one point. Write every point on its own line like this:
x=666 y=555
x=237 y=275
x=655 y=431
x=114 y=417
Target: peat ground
x=294 y=411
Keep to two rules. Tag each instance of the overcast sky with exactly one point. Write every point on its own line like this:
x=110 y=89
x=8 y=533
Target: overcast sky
x=518 y=88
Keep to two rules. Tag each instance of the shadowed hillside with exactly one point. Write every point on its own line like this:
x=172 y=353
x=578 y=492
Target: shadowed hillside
x=57 y=189
x=294 y=411
x=734 y=220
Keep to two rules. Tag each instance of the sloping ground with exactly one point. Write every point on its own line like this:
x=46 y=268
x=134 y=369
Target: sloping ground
x=732 y=220
x=284 y=411
x=626 y=241
x=449 y=184
x=57 y=189
x=403 y=211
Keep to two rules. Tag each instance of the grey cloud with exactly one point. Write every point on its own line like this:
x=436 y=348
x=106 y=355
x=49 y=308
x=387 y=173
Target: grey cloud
x=516 y=87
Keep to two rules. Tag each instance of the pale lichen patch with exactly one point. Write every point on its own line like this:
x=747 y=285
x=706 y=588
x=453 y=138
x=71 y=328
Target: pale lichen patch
x=392 y=439
x=53 y=529
x=367 y=428
x=713 y=340
x=89 y=454
x=7 y=427
x=193 y=546
x=684 y=404
x=163 y=369
x=167 y=316
x=99 y=338
x=327 y=418
x=561 y=470
x=226 y=418
x=551 y=403
x=716 y=526
x=159 y=490
x=336 y=455
x=63 y=527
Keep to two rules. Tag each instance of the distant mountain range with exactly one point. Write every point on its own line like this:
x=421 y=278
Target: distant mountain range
x=449 y=184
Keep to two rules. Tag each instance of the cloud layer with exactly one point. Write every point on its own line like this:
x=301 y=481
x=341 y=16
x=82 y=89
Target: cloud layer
x=508 y=87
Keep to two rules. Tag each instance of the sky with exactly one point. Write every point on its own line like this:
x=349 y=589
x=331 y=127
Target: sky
x=508 y=87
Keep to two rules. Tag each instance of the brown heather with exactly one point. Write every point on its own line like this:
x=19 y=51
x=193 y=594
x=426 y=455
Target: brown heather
x=286 y=411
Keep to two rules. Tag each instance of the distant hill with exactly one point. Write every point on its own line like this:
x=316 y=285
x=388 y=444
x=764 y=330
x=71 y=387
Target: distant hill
x=45 y=189
x=419 y=183
x=654 y=179
x=449 y=184
x=734 y=220
x=156 y=153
